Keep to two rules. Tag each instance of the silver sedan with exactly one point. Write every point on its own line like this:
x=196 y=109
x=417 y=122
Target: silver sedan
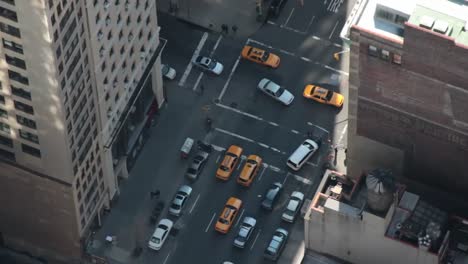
x=275 y=91
x=180 y=199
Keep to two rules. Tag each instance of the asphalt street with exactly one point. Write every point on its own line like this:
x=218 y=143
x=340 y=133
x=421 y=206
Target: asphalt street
x=305 y=38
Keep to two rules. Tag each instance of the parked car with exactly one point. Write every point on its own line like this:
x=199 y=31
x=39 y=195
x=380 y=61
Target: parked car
x=228 y=215
x=272 y=195
x=260 y=56
x=302 y=154
x=198 y=162
x=208 y=65
x=275 y=91
x=160 y=234
x=245 y=231
x=275 y=7
x=251 y=168
x=323 y=95
x=294 y=205
x=180 y=199
x=229 y=163
x=276 y=245
x=168 y=72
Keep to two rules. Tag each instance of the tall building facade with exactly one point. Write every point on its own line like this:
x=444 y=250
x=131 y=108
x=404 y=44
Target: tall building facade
x=79 y=81
x=408 y=92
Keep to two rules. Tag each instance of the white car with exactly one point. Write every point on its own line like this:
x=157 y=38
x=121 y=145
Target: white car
x=245 y=231
x=274 y=90
x=293 y=207
x=208 y=64
x=168 y=72
x=302 y=154
x=160 y=234
x=180 y=198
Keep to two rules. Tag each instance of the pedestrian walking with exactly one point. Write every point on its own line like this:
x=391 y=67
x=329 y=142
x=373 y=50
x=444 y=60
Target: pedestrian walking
x=208 y=124
x=234 y=29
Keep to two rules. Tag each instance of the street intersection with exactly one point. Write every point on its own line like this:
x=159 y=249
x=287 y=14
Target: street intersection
x=305 y=38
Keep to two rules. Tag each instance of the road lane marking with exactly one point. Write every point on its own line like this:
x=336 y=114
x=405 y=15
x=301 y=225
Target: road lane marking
x=286 y=178
x=319 y=127
x=238 y=166
x=275 y=169
x=311 y=164
x=289 y=17
x=333 y=31
x=295 y=131
x=216 y=45
x=209 y=224
x=310 y=23
x=292 y=54
x=195 y=54
x=240 y=217
x=239 y=111
x=197 y=82
x=302 y=179
x=167 y=257
x=273 y=123
x=271 y=22
x=255 y=240
x=217 y=159
x=261 y=174
x=194 y=204
x=229 y=79
x=248 y=139
x=305 y=59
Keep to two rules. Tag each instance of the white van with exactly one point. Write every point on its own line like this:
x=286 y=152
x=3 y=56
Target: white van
x=302 y=154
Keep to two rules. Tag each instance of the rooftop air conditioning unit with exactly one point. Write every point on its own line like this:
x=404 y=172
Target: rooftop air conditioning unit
x=100 y=35
x=441 y=26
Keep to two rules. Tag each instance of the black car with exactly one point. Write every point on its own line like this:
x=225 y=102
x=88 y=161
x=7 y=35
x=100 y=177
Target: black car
x=275 y=7
x=276 y=245
x=199 y=161
x=271 y=196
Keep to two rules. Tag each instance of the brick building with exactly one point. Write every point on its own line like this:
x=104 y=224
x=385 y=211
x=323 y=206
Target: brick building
x=408 y=92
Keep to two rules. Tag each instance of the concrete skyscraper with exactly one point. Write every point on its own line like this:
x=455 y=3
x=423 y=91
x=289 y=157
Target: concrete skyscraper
x=79 y=80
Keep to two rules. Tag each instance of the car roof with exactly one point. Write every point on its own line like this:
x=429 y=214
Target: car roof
x=186 y=189
x=292 y=205
x=249 y=220
x=234 y=149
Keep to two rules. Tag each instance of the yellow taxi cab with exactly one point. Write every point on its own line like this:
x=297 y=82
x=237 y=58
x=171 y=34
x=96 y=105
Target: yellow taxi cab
x=228 y=215
x=260 y=56
x=323 y=95
x=251 y=167
x=229 y=163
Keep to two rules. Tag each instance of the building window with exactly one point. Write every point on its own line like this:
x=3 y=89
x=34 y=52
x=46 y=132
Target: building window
x=11 y=45
x=6 y=141
x=396 y=59
x=8 y=14
x=7 y=155
x=29 y=136
x=20 y=92
x=24 y=107
x=5 y=128
x=385 y=55
x=15 y=62
x=2 y=99
x=26 y=121
x=18 y=77
x=373 y=51
x=3 y=113
x=30 y=150
x=52 y=19
x=11 y=30
x=98 y=17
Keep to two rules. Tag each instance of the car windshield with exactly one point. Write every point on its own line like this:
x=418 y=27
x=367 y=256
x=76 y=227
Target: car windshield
x=265 y=56
x=175 y=206
x=279 y=92
x=329 y=95
x=208 y=63
x=224 y=168
x=253 y=162
x=165 y=69
x=223 y=221
x=231 y=154
x=155 y=240
x=309 y=146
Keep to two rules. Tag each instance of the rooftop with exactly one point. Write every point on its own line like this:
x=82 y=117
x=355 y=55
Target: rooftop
x=387 y=17
x=412 y=220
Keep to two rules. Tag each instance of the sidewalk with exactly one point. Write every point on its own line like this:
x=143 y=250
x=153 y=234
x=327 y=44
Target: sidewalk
x=212 y=14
